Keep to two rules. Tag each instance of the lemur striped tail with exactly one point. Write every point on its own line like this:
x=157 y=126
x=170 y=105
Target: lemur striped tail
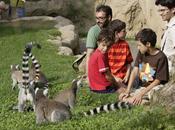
x=107 y=108
x=25 y=63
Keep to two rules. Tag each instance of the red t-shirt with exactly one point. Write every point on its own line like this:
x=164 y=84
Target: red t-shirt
x=119 y=55
x=98 y=64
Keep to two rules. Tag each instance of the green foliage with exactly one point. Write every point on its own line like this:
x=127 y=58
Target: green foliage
x=60 y=74
x=14 y=3
x=54 y=32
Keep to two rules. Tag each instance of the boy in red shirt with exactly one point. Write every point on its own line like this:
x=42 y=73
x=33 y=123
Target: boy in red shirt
x=100 y=78
x=119 y=54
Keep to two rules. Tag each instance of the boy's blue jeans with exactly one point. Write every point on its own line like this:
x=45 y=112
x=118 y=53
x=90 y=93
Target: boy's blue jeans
x=109 y=89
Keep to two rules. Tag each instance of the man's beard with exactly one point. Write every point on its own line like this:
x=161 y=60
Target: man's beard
x=106 y=23
x=103 y=25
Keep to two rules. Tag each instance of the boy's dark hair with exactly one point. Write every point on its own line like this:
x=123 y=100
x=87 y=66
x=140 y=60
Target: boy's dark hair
x=168 y=3
x=147 y=35
x=117 y=25
x=106 y=35
x=105 y=8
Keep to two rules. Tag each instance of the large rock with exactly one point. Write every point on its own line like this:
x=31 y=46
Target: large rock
x=65 y=51
x=45 y=7
x=62 y=21
x=81 y=12
x=70 y=37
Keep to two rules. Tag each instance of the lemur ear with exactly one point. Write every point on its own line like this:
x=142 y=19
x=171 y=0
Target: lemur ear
x=17 y=67
x=31 y=83
x=36 y=90
x=79 y=83
x=74 y=80
x=45 y=92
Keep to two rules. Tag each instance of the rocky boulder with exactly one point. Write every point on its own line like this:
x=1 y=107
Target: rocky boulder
x=81 y=12
x=69 y=37
x=45 y=7
x=62 y=50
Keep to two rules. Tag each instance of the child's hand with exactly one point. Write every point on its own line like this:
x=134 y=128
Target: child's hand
x=125 y=79
x=137 y=99
x=118 y=80
x=124 y=95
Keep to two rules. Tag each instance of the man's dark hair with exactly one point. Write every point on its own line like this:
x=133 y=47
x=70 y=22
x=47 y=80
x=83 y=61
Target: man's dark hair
x=106 y=35
x=168 y=3
x=105 y=8
x=117 y=25
x=147 y=35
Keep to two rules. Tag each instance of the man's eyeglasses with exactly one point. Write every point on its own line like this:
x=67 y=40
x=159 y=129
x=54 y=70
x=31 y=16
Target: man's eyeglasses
x=163 y=10
x=100 y=18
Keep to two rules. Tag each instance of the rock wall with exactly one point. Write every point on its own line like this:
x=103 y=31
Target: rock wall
x=137 y=14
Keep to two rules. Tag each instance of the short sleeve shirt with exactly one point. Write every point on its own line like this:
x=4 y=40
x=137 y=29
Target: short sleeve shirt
x=119 y=56
x=152 y=67
x=168 y=40
x=97 y=67
x=92 y=36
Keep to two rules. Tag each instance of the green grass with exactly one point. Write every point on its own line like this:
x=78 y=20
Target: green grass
x=60 y=74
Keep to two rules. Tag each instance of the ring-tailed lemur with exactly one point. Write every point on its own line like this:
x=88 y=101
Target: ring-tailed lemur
x=68 y=96
x=108 y=107
x=25 y=63
x=26 y=91
x=48 y=110
x=16 y=76
x=58 y=108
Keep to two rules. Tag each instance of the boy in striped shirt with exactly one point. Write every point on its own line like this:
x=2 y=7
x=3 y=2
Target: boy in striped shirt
x=119 y=54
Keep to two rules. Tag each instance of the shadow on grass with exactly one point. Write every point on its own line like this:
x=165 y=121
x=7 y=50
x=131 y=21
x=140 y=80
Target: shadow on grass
x=6 y=30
